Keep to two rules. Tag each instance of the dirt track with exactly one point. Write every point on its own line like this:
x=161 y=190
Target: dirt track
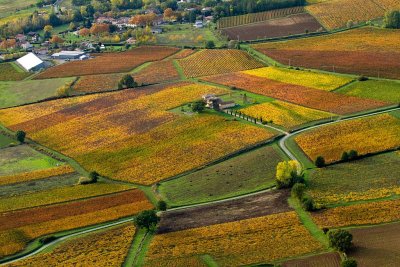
x=270 y=202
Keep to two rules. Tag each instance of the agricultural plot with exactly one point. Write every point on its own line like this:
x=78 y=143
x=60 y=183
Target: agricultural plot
x=210 y=62
x=377 y=56
x=258 y=205
x=183 y=53
x=100 y=131
x=296 y=94
x=6 y=141
x=22 y=226
x=242 y=174
x=237 y=243
x=13 y=5
x=316 y=80
x=97 y=83
x=105 y=248
x=341 y=183
x=365 y=135
x=384 y=90
x=280 y=27
x=376 y=246
x=11 y=72
x=157 y=72
x=23 y=92
x=358 y=214
x=337 y=13
x=109 y=62
x=285 y=114
x=323 y=260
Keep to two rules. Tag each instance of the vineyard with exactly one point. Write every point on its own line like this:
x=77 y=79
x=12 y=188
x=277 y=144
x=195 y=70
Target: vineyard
x=107 y=248
x=377 y=56
x=10 y=72
x=337 y=13
x=363 y=135
x=109 y=62
x=285 y=114
x=210 y=62
x=327 y=260
x=233 y=21
x=98 y=83
x=237 y=243
x=296 y=94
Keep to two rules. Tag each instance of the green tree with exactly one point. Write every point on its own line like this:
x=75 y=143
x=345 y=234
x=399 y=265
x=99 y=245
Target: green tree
x=308 y=203
x=392 y=19
x=198 y=106
x=210 y=44
x=320 y=162
x=20 y=135
x=340 y=239
x=127 y=81
x=298 y=190
x=162 y=205
x=353 y=155
x=93 y=176
x=349 y=263
x=345 y=156
x=147 y=219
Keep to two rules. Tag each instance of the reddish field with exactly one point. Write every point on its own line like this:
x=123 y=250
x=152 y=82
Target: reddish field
x=109 y=62
x=184 y=53
x=312 y=98
x=98 y=83
x=294 y=24
x=324 y=260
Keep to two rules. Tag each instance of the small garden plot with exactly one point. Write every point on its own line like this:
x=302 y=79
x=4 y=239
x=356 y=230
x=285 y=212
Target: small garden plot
x=285 y=114
x=296 y=94
x=109 y=62
x=274 y=201
x=104 y=248
x=384 y=90
x=262 y=239
x=36 y=222
x=377 y=56
x=305 y=78
x=11 y=72
x=359 y=214
x=376 y=246
x=365 y=135
x=22 y=158
x=210 y=62
x=341 y=183
x=326 y=260
x=242 y=174
x=24 y=92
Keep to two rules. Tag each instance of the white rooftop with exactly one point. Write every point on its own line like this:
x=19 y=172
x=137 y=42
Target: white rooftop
x=70 y=53
x=29 y=61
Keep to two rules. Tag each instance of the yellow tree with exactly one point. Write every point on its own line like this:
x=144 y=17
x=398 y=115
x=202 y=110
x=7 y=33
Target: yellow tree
x=285 y=172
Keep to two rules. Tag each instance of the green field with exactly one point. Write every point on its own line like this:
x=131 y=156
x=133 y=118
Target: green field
x=22 y=158
x=23 y=92
x=11 y=72
x=5 y=141
x=377 y=89
x=187 y=35
x=10 y=6
x=243 y=174
x=368 y=178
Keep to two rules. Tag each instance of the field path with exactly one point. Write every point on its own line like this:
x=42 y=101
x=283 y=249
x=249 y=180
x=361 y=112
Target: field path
x=282 y=145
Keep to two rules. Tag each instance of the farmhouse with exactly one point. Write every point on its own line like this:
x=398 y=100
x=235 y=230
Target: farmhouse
x=68 y=55
x=216 y=103
x=30 y=62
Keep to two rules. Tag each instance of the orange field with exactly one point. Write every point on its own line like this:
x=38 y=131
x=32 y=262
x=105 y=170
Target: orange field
x=365 y=135
x=184 y=53
x=109 y=62
x=98 y=83
x=359 y=214
x=305 y=96
x=35 y=222
x=210 y=62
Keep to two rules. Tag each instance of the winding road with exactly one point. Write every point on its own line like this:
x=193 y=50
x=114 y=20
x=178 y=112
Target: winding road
x=282 y=145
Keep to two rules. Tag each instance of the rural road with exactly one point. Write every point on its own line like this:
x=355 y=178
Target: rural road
x=282 y=145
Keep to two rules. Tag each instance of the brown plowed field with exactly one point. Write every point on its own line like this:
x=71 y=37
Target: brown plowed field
x=294 y=24
x=270 y=202
x=323 y=260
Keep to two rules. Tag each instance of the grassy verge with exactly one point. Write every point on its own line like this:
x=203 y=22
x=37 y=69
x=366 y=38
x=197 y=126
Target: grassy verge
x=209 y=261
x=130 y=259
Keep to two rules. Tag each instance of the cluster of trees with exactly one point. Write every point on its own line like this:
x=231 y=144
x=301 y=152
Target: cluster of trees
x=127 y=81
x=392 y=19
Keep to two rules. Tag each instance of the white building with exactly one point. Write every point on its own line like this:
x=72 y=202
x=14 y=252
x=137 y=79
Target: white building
x=30 y=62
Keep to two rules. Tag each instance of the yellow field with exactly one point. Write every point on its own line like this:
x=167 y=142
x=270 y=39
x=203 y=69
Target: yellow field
x=284 y=113
x=311 y=79
x=365 y=135
x=107 y=248
x=237 y=243
x=131 y=135
x=360 y=214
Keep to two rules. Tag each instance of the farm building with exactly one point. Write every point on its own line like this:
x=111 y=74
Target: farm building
x=216 y=103
x=68 y=55
x=30 y=62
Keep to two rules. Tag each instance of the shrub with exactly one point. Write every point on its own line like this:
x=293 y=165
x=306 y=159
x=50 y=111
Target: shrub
x=47 y=239
x=298 y=190
x=345 y=156
x=84 y=180
x=362 y=78
x=147 y=219
x=320 y=162
x=349 y=263
x=20 y=135
x=162 y=205
x=93 y=176
x=198 y=106
x=353 y=154
x=308 y=203
x=127 y=81
x=325 y=230
x=210 y=44
x=340 y=239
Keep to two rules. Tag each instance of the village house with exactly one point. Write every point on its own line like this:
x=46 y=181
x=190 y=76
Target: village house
x=214 y=102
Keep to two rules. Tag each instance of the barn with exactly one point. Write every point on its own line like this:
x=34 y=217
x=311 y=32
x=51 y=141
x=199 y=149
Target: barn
x=30 y=62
